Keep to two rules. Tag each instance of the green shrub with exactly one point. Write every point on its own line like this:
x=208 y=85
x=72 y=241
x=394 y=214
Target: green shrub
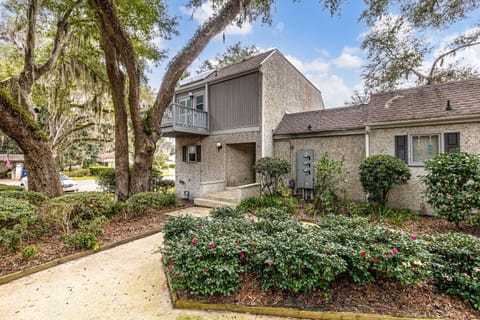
x=272 y=171
x=380 y=173
x=4 y=187
x=71 y=211
x=225 y=212
x=452 y=183
x=253 y=204
x=138 y=204
x=87 y=234
x=330 y=177
x=165 y=185
x=209 y=256
x=456 y=267
x=106 y=179
x=373 y=253
x=16 y=218
x=79 y=172
x=171 y=165
x=29 y=252
x=388 y=214
x=179 y=227
x=35 y=198
x=95 y=170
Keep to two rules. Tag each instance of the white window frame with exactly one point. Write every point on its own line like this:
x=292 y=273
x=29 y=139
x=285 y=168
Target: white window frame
x=441 y=148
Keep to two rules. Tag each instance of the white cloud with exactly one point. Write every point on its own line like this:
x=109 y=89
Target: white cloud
x=280 y=26
x=348 y=59
x=313 y=66
x=335 y=90
x=206 y=11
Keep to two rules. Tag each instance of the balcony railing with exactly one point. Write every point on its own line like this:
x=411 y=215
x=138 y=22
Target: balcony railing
x=180 y=118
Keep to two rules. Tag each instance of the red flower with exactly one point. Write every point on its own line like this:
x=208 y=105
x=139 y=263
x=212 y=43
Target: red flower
x=375 y=260
x=204 y=269
x=194 y=240
x=342 y=210
x=413 y=237
x=212 y=245
x=242 y=255
x=237 y=243
x=394 y=251
x=363 y=254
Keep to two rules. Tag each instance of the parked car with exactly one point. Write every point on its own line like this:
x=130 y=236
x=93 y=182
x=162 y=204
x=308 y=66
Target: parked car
x=68 y=184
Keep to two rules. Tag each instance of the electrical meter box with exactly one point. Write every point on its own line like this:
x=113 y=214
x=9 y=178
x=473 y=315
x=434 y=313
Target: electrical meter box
x=305 y=169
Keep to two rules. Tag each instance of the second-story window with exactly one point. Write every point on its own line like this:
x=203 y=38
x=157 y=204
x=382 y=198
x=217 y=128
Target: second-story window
x=185 y=101
x=199 y=102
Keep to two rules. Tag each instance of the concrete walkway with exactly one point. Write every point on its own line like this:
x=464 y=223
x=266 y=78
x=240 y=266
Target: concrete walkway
x=126 y=282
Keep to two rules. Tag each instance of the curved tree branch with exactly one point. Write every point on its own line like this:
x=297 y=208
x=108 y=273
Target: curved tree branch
x=59 y=140
x=452 y=51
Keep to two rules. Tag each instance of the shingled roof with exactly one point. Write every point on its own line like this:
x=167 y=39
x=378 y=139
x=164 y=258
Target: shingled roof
x=445 y=100
x=429 y=102
x=337 y=119
x=245 y=65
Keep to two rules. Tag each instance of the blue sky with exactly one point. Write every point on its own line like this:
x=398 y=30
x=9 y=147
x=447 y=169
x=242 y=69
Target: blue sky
x=326 y=49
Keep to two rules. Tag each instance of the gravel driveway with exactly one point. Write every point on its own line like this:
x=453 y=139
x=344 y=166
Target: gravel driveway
x=126 y=282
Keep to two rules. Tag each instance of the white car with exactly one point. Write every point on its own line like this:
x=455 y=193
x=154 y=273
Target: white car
x=68 y=184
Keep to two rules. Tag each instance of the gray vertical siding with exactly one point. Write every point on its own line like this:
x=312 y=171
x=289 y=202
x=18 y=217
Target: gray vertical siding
x=234 y=103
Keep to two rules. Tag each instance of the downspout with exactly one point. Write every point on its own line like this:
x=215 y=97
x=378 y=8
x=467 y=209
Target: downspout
x=367 y=150
x=263 y=113
x=367 y=141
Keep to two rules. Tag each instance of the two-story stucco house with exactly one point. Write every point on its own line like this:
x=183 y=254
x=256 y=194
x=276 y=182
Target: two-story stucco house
x=223 y=121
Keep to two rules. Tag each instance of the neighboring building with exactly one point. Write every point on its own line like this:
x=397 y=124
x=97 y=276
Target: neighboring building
x=14 y=165
x=412 y=124
x=107 y=159
x=223 y=121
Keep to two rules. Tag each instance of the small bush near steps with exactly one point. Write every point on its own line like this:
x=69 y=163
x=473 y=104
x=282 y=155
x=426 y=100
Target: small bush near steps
x=138 y=204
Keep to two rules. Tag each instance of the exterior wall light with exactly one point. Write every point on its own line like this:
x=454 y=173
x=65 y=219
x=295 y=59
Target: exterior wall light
x=219 y=146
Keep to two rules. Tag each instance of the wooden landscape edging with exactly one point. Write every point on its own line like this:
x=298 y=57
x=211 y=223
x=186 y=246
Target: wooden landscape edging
x=274 y=311
x=17 y=275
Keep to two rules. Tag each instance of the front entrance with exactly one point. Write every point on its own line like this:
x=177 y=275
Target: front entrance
x=240 y=161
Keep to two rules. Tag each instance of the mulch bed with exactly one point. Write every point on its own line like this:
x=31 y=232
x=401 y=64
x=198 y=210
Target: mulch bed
x=51 y=247
x=382 y=297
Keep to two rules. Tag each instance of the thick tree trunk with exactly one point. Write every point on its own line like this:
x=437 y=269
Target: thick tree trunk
x=117 y=85
x=146 y=138
x=18 y=125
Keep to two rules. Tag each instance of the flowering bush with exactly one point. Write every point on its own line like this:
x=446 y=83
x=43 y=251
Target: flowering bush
x=456 y=267
x=373 y=252
x=209 y=256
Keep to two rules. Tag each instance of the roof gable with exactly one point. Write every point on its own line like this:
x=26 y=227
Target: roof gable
x=249 y=64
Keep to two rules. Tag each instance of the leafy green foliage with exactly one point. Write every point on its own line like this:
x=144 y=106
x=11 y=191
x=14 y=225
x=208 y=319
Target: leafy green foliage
x=17 y=217
x=272 y=171
x=95 y=170
x=72 y=211
x=377 y=213
x=330 y=177
x=234 y=53
x=35 y=198
x=380 y=173
x=29 y=252
x=106 y=178
x=209 y=256
x=87 y=233
x=139 y=203
x=253 y=204
x=452 y=183
x=4 y=187
x=456 y=267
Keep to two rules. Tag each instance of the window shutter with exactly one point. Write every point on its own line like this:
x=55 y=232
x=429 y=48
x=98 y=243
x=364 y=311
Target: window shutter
x=401 y=148
x=199 y=153
x=184 y=153
x=452 y=142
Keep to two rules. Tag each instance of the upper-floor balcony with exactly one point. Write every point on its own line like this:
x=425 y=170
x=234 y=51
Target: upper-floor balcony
x=181 y=120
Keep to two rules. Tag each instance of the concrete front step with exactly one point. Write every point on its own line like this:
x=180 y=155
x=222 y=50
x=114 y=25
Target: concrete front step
x=211 y=203
x=223 y=196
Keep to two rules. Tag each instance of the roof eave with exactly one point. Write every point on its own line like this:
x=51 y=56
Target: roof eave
x=428 y=121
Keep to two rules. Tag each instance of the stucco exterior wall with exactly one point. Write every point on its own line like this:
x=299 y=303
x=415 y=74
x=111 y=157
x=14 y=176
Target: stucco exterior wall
x=284 y=89
x=211 y=171
x=382 y=141
x=352 y=147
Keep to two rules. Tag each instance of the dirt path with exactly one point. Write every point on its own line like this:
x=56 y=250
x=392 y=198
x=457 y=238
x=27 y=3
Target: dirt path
x=125 y=282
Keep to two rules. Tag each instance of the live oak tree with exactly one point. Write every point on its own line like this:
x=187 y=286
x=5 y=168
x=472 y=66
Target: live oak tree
x=397 y=53
x=234 y=53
